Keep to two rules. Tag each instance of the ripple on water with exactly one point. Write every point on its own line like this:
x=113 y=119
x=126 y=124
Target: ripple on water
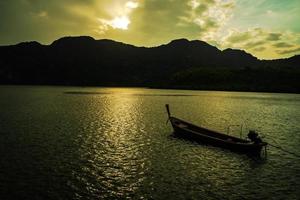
x=113 y=144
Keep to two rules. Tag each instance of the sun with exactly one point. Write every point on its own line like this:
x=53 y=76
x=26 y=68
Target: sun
x=120 y=17
x=120 y=23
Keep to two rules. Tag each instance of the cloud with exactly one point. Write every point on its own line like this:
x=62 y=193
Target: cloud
x=122 y=18
x=258 y=49
x=274 y=36
x=225 y=23
x=262 y=43
x=209 y=15
x=236 y=37
x=289 y=51
x=282 y=45
x=131 y=4
x=154 y=22
x=254 y=44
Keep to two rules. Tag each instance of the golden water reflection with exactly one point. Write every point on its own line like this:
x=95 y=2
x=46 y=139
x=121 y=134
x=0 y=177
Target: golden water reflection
x=129 y=147
x=115 y=139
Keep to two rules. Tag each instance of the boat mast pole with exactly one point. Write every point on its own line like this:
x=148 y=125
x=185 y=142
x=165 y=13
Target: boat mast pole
x=241 y=131
x=168 y=110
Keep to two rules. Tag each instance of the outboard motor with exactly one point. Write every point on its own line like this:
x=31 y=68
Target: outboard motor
x=253 y=136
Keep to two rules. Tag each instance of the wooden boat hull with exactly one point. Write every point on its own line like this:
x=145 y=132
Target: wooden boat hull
x=189 y=131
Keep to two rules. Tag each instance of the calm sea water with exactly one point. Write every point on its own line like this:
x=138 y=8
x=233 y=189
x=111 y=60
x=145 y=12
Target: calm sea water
x=113 y=143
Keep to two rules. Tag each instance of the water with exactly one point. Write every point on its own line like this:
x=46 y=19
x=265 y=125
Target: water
x=113 y=143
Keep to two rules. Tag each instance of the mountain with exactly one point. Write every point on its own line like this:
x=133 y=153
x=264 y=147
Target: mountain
x=179 y=64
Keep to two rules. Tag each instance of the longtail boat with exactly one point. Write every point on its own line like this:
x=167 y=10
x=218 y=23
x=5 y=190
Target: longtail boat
x=253 y=145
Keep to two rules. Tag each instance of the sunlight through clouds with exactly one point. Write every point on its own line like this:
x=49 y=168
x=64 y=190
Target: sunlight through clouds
x=121 y=20
x=223 y=23
x=194 y=4
x=209 y=15
x=131 y=5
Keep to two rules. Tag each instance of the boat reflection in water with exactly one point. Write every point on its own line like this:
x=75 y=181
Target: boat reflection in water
x=190 y=131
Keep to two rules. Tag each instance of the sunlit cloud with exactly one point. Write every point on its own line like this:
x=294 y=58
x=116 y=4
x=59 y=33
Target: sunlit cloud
x=121 y=20
x=120 y=23
x=282 y=45
x=194 y=4
x=262 y=43
x=42 y=14
x=289 y=51
x=209 y=15
x=131 y=4
x=265 y=28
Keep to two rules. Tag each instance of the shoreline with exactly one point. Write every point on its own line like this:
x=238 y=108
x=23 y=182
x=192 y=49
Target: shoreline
x=151 y=87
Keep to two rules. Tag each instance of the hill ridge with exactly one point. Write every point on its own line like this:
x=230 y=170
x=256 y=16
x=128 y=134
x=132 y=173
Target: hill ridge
x=180 y=63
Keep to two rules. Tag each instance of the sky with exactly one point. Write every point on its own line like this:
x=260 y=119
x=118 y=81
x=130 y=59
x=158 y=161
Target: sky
x=268 y=29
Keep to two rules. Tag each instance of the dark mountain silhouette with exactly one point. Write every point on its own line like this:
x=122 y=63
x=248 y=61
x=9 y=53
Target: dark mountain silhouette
x=179 y=64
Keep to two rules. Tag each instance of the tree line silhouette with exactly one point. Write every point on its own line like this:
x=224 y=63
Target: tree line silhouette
x=179 y=64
